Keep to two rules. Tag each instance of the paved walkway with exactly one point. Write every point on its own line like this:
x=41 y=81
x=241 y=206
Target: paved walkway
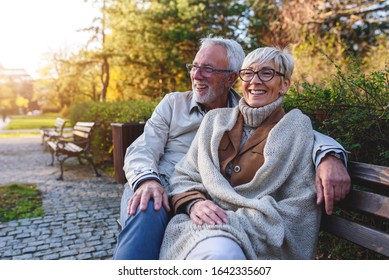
x=80 y=212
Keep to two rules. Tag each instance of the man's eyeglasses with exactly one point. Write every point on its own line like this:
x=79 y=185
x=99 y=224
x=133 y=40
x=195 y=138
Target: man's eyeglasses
x=205 y=71
x=264 y=75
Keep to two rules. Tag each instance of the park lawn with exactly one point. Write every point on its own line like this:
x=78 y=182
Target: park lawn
x=32 y=122
x=19 y=201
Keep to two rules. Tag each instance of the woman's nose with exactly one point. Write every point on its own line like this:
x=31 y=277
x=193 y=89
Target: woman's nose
x=256 y=79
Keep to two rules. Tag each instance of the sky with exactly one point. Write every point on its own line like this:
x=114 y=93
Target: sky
x=31 y=28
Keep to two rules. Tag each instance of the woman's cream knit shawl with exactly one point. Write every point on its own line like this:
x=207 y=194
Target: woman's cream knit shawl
x=274 y=216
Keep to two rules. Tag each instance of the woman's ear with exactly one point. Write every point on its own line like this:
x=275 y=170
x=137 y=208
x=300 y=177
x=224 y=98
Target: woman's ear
x=285 y=86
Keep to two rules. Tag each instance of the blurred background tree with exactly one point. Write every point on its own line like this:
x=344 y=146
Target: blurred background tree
x=138 y=49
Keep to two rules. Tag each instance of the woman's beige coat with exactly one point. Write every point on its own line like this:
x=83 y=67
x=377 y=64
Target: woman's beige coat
x=274 y=216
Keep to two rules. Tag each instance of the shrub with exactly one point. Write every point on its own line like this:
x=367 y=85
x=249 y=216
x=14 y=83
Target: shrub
x=353 y=108
x=105 y=113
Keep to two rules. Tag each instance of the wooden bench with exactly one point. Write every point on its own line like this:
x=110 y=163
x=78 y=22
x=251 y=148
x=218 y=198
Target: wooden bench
x=53 y=133
x=368 y=201
x=79 y=145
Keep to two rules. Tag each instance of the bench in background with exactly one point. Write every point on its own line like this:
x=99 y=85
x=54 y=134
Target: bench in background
x=53 y=133
x=79 y=145
x=367 y=201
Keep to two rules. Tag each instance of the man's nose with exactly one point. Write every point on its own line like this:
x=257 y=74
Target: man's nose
x=196 y=73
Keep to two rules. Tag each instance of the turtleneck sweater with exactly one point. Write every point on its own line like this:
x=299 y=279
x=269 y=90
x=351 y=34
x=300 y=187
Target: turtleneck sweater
x=252 y=118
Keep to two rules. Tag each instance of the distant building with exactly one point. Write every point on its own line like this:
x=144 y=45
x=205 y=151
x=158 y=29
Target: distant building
x=14 y=75
x=14 y=85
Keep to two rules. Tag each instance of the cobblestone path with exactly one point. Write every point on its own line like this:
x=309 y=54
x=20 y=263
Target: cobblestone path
x=80 y=211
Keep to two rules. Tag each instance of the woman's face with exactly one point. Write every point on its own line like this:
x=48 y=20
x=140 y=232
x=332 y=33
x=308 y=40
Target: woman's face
x=257 y=93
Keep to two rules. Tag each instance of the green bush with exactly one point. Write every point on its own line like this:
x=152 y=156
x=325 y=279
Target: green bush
x=353 y=108
x=105 y=113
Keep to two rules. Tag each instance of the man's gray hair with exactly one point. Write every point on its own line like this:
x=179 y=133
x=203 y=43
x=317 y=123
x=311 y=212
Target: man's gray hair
x=281 y=56
x=235 y=52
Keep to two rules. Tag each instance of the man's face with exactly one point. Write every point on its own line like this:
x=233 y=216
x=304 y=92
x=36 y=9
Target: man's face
x=211 y=91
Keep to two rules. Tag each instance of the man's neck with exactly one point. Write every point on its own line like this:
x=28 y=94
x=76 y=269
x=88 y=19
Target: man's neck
x=219 y=103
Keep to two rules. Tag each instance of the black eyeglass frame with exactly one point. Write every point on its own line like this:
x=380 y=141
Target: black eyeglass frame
x=257 y=73
x=211 y=70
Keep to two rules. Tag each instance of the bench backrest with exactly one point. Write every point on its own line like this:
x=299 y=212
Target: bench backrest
x=368 y=200
x=59 y=125
x=83 y=129
x=82 y=133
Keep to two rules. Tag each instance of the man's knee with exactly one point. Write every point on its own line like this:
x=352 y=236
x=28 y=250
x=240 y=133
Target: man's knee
x=149 y=217
x=142 y=234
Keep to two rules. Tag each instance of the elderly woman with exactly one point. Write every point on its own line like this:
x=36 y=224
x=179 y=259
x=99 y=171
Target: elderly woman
x=246 y=188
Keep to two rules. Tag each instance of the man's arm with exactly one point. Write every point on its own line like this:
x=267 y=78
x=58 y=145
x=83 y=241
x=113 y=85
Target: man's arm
x=142 y=159
x=332 y=179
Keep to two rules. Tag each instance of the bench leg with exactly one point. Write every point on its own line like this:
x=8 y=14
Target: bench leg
x=94 y=167
x=60 y=178
x=61 y=162
x=52 y=158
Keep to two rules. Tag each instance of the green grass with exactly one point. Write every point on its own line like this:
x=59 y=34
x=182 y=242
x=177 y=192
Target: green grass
x=19 y=201
x=32 y=122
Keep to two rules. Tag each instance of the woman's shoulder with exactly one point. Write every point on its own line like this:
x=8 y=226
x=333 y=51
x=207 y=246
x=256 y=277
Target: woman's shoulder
x=221 y=111
x=296 y=118
x=297 y=114
x=220 y=116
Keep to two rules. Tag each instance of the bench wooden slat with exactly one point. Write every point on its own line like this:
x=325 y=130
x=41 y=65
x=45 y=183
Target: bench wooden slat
x=81 y=133
x=359 y=234
x=52 y=145
x=85 y=124
x=71 y=147
x=59 y=122
x=362 y=173
x=79 y=126
x=367 y=202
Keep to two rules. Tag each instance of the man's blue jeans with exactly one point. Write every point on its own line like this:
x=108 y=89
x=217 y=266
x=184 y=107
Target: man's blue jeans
x=142 y=234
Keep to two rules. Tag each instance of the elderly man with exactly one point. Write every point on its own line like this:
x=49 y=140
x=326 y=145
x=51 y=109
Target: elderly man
x=150 y=160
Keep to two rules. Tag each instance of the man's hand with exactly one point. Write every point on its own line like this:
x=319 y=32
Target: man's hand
x=150 y=189
x=332 y=182
x=205 y=211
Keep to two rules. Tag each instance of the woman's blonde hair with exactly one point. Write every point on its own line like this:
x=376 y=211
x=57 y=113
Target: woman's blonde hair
x=282 y=58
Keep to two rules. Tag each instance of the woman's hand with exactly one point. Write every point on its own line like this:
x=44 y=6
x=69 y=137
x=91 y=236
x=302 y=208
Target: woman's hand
x=205 y=211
